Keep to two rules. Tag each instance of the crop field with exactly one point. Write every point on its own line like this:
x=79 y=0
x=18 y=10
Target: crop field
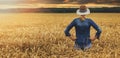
x=41 y=35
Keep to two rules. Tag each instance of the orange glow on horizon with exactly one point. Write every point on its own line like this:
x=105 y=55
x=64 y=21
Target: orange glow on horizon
x=38 y=5
x=66 y=0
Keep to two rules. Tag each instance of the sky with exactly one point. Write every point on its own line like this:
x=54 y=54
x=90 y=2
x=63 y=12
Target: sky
x=57 y=1
x=6 y=4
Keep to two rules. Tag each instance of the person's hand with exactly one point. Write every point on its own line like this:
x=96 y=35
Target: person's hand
x=93 y=38
x=71 y=37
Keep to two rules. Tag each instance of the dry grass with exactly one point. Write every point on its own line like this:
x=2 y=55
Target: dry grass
x=40 y=35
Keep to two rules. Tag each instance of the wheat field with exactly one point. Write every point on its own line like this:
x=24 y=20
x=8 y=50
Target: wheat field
x=41 y=35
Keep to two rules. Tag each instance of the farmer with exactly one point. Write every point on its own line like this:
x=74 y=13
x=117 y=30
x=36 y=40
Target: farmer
x=82 y=27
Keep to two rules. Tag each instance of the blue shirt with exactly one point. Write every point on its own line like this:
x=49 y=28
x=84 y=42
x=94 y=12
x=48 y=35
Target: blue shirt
x=82 y=29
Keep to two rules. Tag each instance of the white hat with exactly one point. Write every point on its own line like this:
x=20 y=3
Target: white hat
x=86 y=12
x=83 y=10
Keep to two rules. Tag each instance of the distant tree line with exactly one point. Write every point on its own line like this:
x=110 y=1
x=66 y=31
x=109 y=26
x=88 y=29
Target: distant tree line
x=59 y=10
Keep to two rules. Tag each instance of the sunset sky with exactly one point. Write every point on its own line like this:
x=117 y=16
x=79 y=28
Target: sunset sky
x=57 y=1
x=6 y=4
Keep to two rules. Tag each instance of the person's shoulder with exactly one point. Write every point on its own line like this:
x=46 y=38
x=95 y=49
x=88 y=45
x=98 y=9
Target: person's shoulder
x=89 y=19
x=75 y=19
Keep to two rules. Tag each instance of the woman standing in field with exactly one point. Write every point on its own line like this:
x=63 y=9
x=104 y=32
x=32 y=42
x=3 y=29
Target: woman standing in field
x=82 y=27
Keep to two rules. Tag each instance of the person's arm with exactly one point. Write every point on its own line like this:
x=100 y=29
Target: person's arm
x=97 y=28
x=67 y=30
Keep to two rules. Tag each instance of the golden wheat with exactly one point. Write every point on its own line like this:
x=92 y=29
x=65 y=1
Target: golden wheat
x=41 y=35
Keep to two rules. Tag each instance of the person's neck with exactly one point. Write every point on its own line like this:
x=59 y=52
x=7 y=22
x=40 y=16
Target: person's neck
x=82 y=18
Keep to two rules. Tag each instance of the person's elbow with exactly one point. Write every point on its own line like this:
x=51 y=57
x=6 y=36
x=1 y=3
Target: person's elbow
x=100 y=31
x=66 y=33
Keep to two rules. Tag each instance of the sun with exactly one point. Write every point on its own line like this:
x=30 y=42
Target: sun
x=9 y=1
x=17 y=1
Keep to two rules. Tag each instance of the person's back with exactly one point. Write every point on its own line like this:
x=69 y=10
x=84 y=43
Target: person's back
x=82 y=27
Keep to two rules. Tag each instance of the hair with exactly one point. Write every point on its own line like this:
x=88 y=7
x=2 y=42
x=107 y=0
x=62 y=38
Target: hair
x=83 y=8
